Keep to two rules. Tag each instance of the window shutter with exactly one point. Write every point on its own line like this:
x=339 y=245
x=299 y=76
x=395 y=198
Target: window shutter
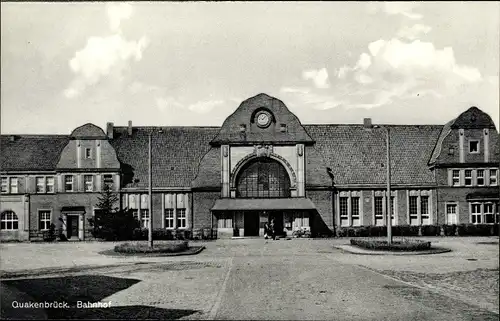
x=98 y=182
x=450 y=177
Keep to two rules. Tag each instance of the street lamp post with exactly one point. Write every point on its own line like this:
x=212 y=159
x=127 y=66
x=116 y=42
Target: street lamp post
x=388 y=180
x=150 y=192
x=389 y=207
x=332 y=177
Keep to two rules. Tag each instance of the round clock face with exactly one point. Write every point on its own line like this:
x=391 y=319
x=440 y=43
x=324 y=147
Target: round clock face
x=263 y=119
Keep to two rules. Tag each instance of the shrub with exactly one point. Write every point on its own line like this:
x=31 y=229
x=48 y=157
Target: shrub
x=477 y=229
x=50 y=235
x=405 y=230
x=142 y=248
x=403 y=245
x=431 y=230
x=450 y=230
x=377 y=231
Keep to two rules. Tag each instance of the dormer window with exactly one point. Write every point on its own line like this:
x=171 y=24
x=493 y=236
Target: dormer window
x=473 y=146
x=451 y=151
x=283 y=128
x=88 y=153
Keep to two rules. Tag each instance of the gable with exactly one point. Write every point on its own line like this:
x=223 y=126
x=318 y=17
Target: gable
x=242 y=126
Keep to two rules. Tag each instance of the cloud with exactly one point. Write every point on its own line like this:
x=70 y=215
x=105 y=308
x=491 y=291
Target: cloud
x=396 y=69
x=205 y=106
x=105 y=56
x=403 y=8
x=414 y=31
x=116 y=13
x=309 y=98
x=300 y=90
x=319 y=77
x=172 y=104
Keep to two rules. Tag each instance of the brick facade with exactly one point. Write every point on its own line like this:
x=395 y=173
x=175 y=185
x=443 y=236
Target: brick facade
x=195 y=167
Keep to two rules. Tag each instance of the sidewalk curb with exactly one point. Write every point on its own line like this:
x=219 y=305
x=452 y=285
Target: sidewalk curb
x=354 y=250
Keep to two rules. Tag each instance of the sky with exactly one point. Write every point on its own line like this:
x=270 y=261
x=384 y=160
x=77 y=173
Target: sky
x=193 y=63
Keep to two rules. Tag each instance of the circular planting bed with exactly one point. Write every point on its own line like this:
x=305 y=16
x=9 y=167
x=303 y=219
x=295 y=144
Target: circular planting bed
x=170 y=248
x=404 y=245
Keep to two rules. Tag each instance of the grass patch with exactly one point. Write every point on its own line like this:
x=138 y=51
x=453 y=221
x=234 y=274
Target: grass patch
x=144 y=248
x=405 y=245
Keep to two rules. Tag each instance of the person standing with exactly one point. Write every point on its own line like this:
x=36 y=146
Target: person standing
x=273 y=232
x=266 y=230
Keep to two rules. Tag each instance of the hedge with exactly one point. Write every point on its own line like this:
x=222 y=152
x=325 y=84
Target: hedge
x=423 y=230
x=171 y=247
x=164 y=234
x=404 y=245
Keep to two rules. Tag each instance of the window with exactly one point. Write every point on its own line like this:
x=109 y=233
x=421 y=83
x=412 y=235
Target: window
x=355 y=211
x=13 y=185
x=40 y=184
x=143 y=218
x=379 y=210
x=413 y=206
x=169 y=218
x=108 y=180
x=468 y=177
x=50 y=184
x=473 y=146
x=424 y=210
x=9 y=221
x=456 y=177
x=43 y=220
x=489 y=213
x=89 y=183
x=5 y=185
x=181 y=218
x=68 y=183
x=493 y=177
x=88 y=153
x=480 y=177
x=484 y=213
x=451 y=214
x=263 y=178
x=344 y=215
x=225 y=220
x=476 y=213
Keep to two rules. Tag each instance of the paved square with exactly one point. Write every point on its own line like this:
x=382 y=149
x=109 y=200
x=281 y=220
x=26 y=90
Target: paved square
x=296 y=279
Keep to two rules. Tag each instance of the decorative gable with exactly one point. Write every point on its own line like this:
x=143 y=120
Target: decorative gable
x=262 y=119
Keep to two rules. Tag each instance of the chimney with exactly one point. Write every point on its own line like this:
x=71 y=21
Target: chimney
x=130 y=128
x=367 y=123
x=109 y=130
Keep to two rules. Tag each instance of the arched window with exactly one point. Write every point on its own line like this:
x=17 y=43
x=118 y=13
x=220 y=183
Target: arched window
x=9 y=221
x=263 y=178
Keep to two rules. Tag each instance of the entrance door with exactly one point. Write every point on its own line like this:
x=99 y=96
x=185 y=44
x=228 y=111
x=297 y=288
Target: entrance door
x=72 y=226
x=251 y=224
x=278 y=222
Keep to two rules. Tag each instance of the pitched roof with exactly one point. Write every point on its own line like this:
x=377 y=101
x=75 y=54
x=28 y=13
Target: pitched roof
x=176 y=153
x=358 y=155
x=31 y=152
x=437 y=149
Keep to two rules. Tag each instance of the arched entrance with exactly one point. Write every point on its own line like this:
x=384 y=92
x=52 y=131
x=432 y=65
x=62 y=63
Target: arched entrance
x=263 y=178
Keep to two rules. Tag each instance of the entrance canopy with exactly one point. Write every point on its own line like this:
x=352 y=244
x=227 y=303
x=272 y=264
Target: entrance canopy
x=240 y=204
x=73 y=209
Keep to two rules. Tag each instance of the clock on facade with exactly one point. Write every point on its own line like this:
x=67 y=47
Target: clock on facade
x=263 y=119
